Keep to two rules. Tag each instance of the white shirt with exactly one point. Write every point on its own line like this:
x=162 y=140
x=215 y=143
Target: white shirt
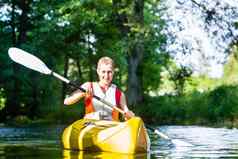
x=101 y=111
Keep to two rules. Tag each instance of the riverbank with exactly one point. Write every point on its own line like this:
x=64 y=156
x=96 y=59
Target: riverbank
x=150 y=119
x=215 y=108
x=218 y=107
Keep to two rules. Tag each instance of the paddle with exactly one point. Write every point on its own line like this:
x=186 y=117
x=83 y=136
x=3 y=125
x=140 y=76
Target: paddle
x=30 y=61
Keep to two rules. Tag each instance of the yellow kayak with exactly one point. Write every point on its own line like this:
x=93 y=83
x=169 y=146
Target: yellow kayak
x=69 y=154
x=109 y=136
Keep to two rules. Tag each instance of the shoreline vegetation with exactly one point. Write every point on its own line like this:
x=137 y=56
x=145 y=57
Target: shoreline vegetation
x=70 y=36
x=203 y=101
x=216 y=108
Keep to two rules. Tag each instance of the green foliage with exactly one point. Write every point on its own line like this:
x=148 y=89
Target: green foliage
x=20 y=121
x=2 y=99
x=205 y=101
x=65 y=114
x=214 y=107
x=179 y=75
x=231 y=68
x=224 y=103
x=81 y=31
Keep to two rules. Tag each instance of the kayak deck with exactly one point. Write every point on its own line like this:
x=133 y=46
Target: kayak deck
x=100 y=135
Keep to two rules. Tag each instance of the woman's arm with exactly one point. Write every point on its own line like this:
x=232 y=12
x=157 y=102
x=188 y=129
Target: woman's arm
x=128 y=113
x=76 y=96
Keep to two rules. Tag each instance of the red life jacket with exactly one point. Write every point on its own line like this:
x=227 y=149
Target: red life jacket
x=89 y=108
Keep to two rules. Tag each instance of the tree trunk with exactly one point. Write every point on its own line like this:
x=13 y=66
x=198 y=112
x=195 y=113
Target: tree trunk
x=135 y=86
x=90 y=57
x=79 y=70
x=13 y=102
x=136 y=46
x=34 y=105
x=135 y=57
x=24 y=21
x=66 y=68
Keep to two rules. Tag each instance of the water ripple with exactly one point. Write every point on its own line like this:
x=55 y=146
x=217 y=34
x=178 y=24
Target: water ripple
x=197 y=142
x=186 y=142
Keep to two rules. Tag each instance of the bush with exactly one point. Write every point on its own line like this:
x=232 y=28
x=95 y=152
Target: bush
x=217 y=106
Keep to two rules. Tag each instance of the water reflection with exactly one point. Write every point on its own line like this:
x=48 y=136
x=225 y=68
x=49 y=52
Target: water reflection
x=187 y=142
x=204 y=142
x=28 y=152
x=67 y=154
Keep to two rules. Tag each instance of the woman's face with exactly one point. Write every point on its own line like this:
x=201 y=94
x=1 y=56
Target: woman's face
x=105 y=74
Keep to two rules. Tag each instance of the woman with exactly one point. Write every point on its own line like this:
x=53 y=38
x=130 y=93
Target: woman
x=104 y=89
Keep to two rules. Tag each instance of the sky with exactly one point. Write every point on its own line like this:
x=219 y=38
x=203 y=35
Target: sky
x=201 y=46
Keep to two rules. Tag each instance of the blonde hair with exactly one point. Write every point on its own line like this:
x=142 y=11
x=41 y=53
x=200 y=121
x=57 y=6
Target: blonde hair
x=105 y=60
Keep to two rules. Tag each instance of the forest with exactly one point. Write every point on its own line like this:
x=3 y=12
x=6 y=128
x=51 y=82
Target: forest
x=70 y=36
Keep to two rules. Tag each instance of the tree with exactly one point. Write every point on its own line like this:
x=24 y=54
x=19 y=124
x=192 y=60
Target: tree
x=19 y=24
x=179 y=76
x=200 y=32
x=22 y=21
x=131 y=26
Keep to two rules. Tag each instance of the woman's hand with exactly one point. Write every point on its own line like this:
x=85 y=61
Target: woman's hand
x=129 y=114
x=88 y=93
x=76 y=96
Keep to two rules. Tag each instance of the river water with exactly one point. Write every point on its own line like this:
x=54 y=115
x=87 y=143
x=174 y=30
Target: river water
x=186 y=142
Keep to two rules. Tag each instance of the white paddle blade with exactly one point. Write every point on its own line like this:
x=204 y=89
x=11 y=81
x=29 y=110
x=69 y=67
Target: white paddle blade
x=28 y=60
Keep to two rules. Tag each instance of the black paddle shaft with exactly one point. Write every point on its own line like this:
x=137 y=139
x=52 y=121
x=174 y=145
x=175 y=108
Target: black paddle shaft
x=109 y=105
x=83 y=90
